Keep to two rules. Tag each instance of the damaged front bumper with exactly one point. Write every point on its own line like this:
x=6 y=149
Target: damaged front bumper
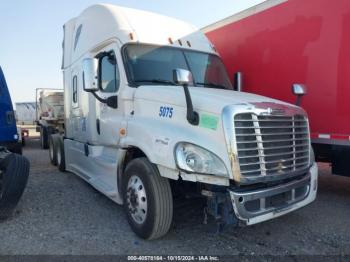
x=256 y=206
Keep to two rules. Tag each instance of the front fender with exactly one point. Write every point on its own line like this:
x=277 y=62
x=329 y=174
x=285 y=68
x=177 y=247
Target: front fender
x=157 y=138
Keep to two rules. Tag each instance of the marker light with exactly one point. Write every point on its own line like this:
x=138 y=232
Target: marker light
x=122 y=131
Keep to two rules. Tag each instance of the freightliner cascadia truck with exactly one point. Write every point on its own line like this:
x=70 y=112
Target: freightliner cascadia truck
x=279 y=43
x=150 y=109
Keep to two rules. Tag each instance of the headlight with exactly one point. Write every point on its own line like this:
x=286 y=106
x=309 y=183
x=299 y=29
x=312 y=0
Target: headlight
x=196 y=159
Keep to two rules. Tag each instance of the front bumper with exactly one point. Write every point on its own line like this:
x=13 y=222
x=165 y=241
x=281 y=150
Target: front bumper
x=256 y=206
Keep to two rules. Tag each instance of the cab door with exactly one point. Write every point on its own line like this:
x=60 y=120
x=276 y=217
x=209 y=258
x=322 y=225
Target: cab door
x=101 y=152
x=108 y=120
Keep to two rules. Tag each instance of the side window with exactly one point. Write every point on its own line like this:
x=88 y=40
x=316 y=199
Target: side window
x=75 y=90
x=109 y=78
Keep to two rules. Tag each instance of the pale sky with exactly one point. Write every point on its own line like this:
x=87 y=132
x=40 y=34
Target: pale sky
x=31 y=34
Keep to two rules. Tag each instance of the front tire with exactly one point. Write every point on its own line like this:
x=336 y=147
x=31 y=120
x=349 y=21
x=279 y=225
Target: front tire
x=14 y=172
x=148 y=199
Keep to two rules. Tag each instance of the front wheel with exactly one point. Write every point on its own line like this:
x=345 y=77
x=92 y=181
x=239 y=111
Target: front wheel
x=14 y=171
x=148 y=199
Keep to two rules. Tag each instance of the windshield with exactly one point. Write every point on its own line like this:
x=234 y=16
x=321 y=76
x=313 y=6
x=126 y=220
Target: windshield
x=154 y=65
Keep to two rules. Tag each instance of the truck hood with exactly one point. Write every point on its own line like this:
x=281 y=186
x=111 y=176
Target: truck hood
x=203 y=99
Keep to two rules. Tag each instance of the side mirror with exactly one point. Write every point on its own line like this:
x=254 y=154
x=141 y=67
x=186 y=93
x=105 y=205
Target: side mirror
x=182 y=76
x=238 y=81
x=89 y=74
x=299 y=90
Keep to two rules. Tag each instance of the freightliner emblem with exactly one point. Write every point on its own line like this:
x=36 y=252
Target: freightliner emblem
x=275 y=111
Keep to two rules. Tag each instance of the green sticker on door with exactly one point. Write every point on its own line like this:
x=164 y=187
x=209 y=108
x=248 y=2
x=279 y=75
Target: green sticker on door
x=209 y=121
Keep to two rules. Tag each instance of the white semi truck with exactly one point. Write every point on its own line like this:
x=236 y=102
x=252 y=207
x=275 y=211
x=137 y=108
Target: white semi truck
x=149 y=108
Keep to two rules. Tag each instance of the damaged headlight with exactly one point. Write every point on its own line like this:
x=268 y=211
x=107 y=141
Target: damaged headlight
x=196 y=159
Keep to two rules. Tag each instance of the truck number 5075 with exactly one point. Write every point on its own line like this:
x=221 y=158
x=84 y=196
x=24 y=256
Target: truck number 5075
x=165 y=111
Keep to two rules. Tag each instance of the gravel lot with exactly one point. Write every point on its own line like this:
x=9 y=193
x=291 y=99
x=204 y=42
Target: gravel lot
x=61 y=214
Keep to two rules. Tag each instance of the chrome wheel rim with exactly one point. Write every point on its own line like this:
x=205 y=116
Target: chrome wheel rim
x=136 y=199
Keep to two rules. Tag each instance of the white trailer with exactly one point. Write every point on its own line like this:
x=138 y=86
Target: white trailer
x=49 y=113
x=149 y=108
x=26 y=113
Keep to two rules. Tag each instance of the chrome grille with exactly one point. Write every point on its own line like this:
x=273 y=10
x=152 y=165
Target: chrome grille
x=271 y=145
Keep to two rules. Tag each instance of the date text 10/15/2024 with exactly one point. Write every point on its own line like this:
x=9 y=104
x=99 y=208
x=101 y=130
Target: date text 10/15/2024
x=173 y=258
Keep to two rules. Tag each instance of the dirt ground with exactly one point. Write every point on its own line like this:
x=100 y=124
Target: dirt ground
x=61 y=214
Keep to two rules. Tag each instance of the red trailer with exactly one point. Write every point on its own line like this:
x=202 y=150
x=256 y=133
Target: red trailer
x=278 y=43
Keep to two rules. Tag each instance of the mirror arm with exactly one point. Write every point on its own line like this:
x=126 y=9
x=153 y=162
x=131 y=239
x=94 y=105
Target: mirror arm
x=98 y=98
x=192 y=116
x=298 y=101
x=238 y=82
x=111 y=101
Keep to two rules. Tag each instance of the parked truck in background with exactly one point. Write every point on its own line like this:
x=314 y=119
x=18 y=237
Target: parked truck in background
x=150 y=111
x=279 y=43
x=49 y=113
x=14 y=168
x=25 y=113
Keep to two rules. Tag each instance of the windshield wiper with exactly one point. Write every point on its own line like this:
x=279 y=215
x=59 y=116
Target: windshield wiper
x=214 y=85
x=157 y=81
